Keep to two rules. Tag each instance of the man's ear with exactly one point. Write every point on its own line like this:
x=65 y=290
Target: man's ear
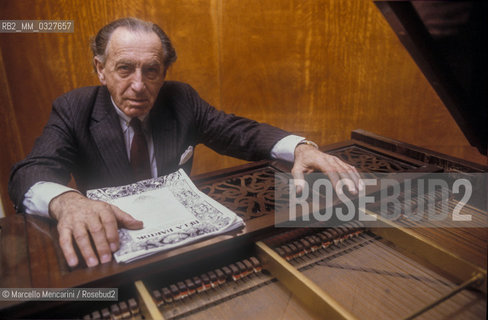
x=100 y=68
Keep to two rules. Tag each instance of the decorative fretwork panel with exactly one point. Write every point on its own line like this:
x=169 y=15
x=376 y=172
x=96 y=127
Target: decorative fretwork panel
x=251 y=195
x=367 y=161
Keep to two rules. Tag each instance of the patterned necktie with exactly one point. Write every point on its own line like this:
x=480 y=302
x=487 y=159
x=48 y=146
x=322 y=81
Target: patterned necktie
x=139 y=157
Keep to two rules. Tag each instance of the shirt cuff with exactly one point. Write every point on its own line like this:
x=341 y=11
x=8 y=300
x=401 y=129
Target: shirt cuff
x=285 y=148
x=37 y=198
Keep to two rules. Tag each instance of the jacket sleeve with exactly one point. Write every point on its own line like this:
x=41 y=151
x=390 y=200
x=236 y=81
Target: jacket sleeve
x=52 y=157
x=233 y=135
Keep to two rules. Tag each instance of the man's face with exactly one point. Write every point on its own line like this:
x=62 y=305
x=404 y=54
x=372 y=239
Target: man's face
x=133 y=71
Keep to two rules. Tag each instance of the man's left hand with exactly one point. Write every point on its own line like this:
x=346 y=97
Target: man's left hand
x=309 y=159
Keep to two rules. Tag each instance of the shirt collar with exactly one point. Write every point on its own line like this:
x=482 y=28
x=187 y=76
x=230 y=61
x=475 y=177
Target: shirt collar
x=125 y=119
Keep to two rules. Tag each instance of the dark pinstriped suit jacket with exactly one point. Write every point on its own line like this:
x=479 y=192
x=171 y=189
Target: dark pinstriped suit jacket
x=83 y=138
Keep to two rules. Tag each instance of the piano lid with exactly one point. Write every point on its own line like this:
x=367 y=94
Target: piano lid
x=447 y=41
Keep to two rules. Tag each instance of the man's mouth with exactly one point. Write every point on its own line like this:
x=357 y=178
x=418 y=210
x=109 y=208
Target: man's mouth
x=138 y=101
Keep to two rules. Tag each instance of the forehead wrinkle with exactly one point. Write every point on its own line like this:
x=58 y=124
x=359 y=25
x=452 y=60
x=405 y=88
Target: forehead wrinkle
x=134 y=53
x=147 y=62
x=131 y=43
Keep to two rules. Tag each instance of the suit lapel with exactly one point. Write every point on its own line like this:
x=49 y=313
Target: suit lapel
x=165 y=137
x=107 y=134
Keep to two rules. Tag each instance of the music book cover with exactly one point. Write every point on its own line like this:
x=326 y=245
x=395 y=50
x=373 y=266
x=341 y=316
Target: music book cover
x=174 y=213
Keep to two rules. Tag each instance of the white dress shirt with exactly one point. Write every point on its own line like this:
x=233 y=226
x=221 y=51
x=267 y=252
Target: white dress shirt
x=37 y=198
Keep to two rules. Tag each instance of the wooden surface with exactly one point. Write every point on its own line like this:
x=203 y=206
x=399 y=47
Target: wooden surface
x=316 y=68
x=30 y=255
x=10 y=135
x=446 y=162
x=461 y=99
x=14 y=262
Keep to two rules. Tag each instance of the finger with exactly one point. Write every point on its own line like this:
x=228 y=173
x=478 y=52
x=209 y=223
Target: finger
x=348 y=181
x=126 y=220
x=334 y=178
x=83 y=241
x=346 y=173
x=357 y=178
x=97 y=232
x=354 y=175
x=66 y=243
x=330 y=167
x=298 y=179
x=110 y=225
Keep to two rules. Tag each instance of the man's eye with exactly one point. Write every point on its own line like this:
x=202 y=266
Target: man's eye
x=124 y=70
x=152 y=72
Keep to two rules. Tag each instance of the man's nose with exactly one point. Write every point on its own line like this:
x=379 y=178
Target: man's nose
x=137 y=81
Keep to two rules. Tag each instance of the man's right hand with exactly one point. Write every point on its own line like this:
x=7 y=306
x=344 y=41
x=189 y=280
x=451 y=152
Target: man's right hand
x=82 y=219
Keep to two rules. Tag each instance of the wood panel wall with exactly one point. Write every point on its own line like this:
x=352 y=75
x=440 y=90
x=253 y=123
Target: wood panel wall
x=316 y=68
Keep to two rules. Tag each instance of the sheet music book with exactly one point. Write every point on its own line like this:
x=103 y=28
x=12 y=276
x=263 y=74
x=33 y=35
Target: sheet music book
x=174 y=213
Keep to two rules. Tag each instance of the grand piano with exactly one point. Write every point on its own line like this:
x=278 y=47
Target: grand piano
x=261 y=271
x=347 y=271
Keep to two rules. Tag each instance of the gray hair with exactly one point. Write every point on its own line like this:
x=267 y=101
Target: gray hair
x=98 y=44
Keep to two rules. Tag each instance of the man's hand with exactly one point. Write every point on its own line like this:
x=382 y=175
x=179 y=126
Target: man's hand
x=86 y=220
x=309 y=159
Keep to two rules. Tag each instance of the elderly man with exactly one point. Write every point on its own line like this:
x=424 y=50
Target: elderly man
x=136 y=126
